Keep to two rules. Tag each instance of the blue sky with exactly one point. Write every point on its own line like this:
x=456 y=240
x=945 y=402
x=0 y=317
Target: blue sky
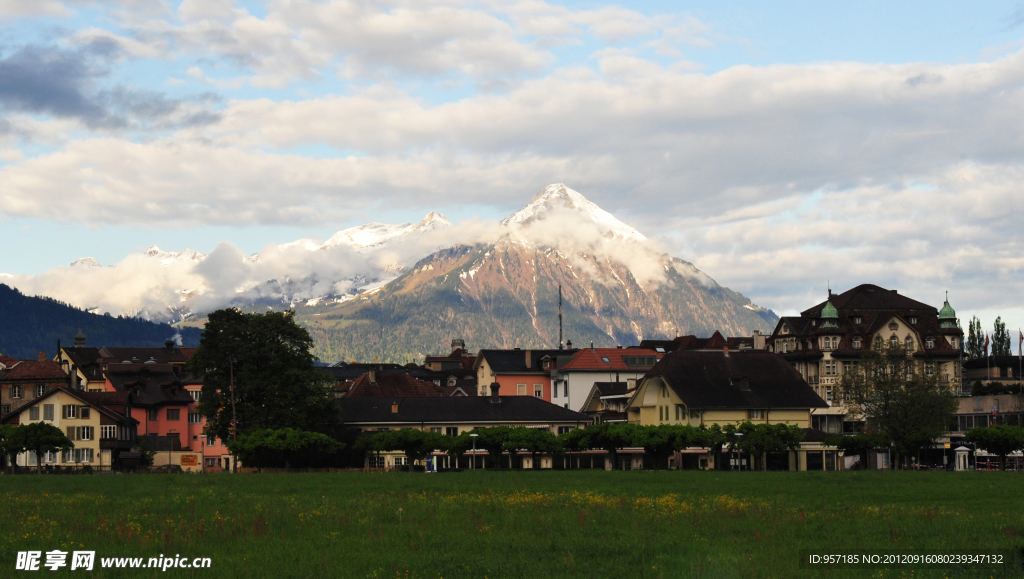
x=772 y=144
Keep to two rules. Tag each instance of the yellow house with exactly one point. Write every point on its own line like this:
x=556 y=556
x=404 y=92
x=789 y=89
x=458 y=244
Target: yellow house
x=706 y=387
x=98 y=423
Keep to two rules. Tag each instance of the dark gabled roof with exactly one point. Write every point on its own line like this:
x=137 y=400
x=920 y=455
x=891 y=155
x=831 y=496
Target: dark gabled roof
x=87 y=360
x=868 y=297
x=691 y=342
x=166 y=355
x=388 y=384
x=43 y=371
x=153 y=384
x=514 y=361
x=611 y=388
x=481 y=409
x=993 y=362
x=709 y=379
x=87 y=397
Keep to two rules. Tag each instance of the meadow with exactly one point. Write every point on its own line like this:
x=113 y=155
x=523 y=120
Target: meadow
x=511 y=524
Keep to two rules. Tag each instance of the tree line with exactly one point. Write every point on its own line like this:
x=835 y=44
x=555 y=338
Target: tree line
x=974 y=347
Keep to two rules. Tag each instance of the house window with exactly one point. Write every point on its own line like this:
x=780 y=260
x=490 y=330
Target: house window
x=211 y=463
x=857 y=320
x=83 y=455
x=913 y=320
x=451 y=431
x=5 y=409
x=84 y=412
x=68 y=455
x=48 y=412
x=565 y=388
x=785 y=347
x=195 y=418
x=755 y=414
x=564 y=429
x=49 y=457
x=929 y=343
x=605 y=360
x=15 y=391
x=401 y=461
x=856 y=343
x=211 y=441
x=69 y=411
x=375 y=462
x=108 y=431
x=153 y=414
x=436 y=429
x=85 y=433
x=828 y=394
x=195 y=394
x=829 y=367
x=893 y=342
x=909 y=343
x=72 y=432
x=952 y=342
x=33 y=413
x=173 y=414
x=538 y=390
x=929 y=368
x=40 y=390
x=521 y=389
x=850 y=366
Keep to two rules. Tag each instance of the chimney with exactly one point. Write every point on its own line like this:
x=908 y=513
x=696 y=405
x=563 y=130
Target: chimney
x=591 y=345
x=372 y=377
x=569 y=344
x=394 y=408
x=169 y=344
x=529 y=358
x=495 y=399
x=42 y=356
x=725 y=351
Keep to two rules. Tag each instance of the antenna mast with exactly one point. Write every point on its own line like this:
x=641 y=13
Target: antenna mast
x=559 y=316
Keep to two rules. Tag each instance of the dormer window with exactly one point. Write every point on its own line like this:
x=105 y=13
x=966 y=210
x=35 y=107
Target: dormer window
x=929 y=343
x=913 y=319
x=856 y=343
x=858 y=320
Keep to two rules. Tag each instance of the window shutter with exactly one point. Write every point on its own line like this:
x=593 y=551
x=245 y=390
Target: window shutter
x=71 y=432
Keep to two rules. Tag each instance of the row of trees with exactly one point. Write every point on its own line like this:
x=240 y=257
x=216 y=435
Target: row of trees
x=974 y=348
x=658 y=442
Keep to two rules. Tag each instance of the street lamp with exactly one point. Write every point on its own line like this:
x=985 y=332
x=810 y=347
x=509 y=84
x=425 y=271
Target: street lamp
x=735 y=461
x=472 y=465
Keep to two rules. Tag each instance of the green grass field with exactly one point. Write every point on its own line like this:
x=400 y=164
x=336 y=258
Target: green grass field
x=510 y=524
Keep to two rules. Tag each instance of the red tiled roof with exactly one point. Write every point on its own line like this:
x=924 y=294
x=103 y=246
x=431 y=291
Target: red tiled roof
x=35 y=370
x=388 y=384
x=587 y=359
x=7 y=361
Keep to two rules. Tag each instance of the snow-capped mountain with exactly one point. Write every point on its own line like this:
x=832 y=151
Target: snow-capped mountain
x=483 y=282
x=555 y=198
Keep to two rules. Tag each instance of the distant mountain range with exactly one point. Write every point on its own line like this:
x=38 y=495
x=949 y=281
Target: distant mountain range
x=401 y=291
x=29 y=325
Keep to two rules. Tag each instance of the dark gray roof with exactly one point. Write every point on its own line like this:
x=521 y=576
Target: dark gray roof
x=743 y=379
x=514 y=361
x=511 y=409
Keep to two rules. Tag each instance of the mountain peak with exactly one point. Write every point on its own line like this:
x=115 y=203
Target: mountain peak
x=557 y=196
x=432 y=221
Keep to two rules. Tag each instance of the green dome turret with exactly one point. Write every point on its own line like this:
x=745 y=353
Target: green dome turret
x=947 y=317
x=829 y=315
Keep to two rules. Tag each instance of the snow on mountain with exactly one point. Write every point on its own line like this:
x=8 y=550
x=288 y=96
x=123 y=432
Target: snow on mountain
x=373 y=233
x=559 y=197
x=85 y=262
x=167 y=257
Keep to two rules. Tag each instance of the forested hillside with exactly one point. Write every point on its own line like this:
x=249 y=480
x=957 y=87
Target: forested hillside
x=29 y=325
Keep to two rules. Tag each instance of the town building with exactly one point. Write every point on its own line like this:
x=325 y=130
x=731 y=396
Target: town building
x=828 y=340
x=99 y=425
x=574 y=378
x=26 y=380
x=607 y=402
x=518 y=372
x=998 y=369
x=706 y=387
x=375 y=384
x=453 y=415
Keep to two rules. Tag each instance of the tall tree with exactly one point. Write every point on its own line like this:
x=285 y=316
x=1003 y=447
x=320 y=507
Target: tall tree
x=10 y=446
x=1000 y=339
x=277 y=384
x=40 y=437
x=975 y=347
x=898 y=399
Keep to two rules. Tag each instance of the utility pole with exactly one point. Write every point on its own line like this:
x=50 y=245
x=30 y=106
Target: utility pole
x=559 y=316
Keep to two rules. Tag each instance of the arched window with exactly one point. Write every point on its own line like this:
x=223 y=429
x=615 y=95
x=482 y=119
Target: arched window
x=835 y=342
x=893 y=341
x=856 y=343
x=909 y=342
x=929 y=343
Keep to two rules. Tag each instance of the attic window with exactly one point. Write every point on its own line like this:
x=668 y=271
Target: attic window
x=640 y=361
x=858 y=320
x=929 y=343
x=605 y=360
x=856 y=343
x=913 y=320
x=660 y=350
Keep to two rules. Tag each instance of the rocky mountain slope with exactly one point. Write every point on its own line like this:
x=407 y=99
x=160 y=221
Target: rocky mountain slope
x=616 y=289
